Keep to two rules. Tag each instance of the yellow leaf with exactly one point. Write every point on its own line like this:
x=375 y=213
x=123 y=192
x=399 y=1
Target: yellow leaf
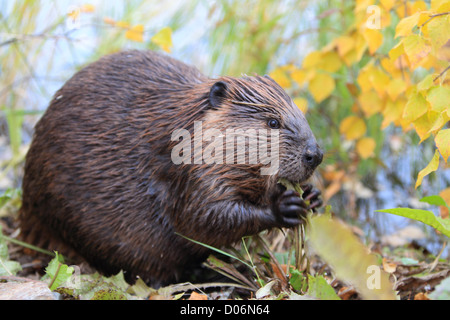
x=405 y=25
x=418 y=6
x=387 y=4
x=415 y=107
x=424 y=16
x=379 y=79
x=329 y=62
x=436 y=4
x=301 y=76
x=360 y=45
x=395 y=87
x=350 y=58
x=396 y=51
x=374 y=39
x=344 y=44
x=332 y=241
x=321 y=86
x=415 y=48
x=443 y=7
x=440 y=121
x=426 y=83
x=136 y=33
x=312 y=59
x=280 y=77
x=393 y=112
x=123 y=24
x=364 y=78
x=163 y=39
x=442 y=140
x=439 y=98
x=365 y=147
x=439 y=31
x=352 y=127
x=432 y=166
x=301 y=103
x=370 y=103
x=424 y=124
x=87 y=8
x=289 y=67
x=74 y=14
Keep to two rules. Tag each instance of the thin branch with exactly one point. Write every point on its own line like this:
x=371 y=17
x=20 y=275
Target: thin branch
x=442 y=73
x=434 y=16
x=8 y=42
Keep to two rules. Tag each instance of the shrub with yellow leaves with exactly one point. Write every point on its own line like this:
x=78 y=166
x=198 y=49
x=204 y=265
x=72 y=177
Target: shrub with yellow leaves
x=396 y=56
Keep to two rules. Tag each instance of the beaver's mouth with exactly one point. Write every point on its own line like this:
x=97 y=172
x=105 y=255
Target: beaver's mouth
x=294 y=180
x=289 y=183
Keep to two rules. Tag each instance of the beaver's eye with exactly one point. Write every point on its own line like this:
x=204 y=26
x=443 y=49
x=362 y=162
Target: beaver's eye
x=274 y=123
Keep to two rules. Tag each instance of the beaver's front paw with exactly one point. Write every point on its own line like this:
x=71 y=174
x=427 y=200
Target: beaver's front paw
x=312 y=196
x=290 y=209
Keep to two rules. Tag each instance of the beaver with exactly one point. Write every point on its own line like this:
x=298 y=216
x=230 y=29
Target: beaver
x=100 y=182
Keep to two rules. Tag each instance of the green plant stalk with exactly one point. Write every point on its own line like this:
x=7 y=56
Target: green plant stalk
x=27 y=245
x=260 y=281
x=217 y=250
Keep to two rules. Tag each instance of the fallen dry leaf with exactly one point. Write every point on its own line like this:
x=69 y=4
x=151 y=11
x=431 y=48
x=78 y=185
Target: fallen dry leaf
x=345 y=293
x=421 y=296
x=389 y=266
x=197 y=296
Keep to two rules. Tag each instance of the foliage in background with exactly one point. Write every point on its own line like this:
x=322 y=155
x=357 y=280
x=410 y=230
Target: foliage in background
x=389 y=66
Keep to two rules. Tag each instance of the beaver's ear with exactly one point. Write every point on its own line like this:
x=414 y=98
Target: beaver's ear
x=217 y=94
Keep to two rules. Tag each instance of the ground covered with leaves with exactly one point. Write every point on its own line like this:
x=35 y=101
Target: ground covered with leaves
x=253 y=270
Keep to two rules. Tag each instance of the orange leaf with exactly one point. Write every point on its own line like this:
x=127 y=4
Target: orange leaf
x=389 y=266
x=197 y=296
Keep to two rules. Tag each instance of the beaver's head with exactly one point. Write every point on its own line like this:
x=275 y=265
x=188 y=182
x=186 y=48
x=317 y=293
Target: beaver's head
x=260 y=103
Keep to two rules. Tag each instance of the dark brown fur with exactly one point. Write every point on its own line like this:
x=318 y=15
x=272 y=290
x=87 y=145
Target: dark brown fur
x=99 y=179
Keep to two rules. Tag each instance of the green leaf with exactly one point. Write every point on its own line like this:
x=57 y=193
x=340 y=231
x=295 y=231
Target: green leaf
x=7 y=267
x=8 y=195
x=408 y=261
x=319 y=288
x=435 y=201
x=425 y=216
x=297 y=280
x=58 y=272
x=109 y=294
x=349 y=258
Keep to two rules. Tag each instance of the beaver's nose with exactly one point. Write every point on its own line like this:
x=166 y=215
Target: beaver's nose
x=312 y=155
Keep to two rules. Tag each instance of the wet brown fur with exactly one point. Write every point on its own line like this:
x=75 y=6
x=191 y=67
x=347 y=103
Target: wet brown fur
x=99 y=180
